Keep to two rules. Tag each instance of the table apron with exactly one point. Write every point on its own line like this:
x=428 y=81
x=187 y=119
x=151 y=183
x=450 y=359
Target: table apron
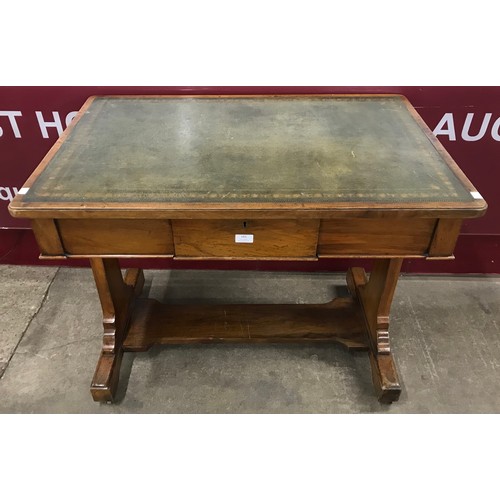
x=247 y=239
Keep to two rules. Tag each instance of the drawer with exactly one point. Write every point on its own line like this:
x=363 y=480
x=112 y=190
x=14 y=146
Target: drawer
x=116 y=237
x=245 y=239
x=377 y=237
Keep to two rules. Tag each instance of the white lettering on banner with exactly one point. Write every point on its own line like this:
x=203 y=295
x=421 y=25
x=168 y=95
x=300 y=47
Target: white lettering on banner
x=7 y=193
x=45 y=125
x=13 y=123
x=449 y=131
x=70 y=117
x=482 y=130
x=495 y=130
x=57 y=124
x=446 y=126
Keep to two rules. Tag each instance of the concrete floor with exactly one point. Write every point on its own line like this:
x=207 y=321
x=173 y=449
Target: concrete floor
x=445 y=336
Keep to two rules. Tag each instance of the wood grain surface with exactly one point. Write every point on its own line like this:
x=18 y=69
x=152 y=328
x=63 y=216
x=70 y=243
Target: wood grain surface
x=375 y=237
x=216 y=238
x=154 y=323
x=120 y=237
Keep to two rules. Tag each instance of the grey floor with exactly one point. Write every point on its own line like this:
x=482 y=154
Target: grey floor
x=445 y=336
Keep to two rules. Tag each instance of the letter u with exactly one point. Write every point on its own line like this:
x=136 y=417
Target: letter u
x=465 y=131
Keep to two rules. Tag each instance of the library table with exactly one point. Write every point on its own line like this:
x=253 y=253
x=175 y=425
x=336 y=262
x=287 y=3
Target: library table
x=280 y=177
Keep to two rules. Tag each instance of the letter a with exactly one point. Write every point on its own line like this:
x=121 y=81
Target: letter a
x=449 y=131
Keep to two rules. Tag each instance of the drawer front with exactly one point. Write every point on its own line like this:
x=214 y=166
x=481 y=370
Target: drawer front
x=398 y=237
x=116 y=237
x=245 y=239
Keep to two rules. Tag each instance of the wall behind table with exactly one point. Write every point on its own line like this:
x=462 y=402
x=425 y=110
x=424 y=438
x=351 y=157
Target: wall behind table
x=465 y=119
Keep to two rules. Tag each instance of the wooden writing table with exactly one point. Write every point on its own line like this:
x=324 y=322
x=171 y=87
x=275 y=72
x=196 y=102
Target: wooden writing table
x=247 y=177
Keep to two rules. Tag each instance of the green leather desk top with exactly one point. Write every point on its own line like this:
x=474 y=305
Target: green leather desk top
x=258 y=149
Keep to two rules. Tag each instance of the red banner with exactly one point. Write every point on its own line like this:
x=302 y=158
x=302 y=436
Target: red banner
x=465 y=119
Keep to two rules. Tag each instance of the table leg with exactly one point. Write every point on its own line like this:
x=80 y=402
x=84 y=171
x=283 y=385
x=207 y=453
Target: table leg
x=116 y=295
x=375 y=297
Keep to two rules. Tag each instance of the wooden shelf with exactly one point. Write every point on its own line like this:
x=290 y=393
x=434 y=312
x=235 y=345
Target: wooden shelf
x=152 y=322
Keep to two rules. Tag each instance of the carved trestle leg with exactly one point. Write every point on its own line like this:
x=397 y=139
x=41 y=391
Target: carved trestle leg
x=116 y=296
x=375 y=298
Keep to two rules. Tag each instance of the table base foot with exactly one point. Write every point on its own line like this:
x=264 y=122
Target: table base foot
x=105 y=381
x=385 y=378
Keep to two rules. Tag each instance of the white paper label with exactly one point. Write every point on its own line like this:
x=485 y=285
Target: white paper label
x=243 y=238
x=23 y=190
x=476 y=195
